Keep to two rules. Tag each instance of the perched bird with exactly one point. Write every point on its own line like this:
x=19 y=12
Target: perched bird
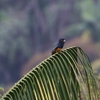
x=58 y=46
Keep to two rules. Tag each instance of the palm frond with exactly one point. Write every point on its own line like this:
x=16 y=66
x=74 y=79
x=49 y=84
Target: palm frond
x=66 y=75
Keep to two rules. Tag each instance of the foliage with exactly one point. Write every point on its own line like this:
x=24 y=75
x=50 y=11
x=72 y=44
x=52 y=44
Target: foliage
x=65 y=75
x=89 y=10
x=89 y=19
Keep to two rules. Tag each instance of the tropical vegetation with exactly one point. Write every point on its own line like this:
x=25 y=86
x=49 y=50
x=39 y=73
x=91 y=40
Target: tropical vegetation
x=66 y=75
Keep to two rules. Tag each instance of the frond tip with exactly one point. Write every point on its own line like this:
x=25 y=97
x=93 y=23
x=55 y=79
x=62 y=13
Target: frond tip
x=66 y=75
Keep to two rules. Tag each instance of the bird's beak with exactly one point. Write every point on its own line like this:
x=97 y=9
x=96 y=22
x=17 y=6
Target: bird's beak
x=64 y=41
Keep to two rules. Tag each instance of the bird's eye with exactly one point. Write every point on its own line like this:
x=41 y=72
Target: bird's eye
x=62 y=39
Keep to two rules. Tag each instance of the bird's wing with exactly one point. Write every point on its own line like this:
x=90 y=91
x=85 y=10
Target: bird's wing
x=54 y=48
x=55 y=45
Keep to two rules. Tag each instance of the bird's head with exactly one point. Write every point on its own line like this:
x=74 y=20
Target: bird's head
x=62 y=40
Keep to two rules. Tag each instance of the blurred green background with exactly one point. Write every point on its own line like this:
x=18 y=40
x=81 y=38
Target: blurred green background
x=30 y=28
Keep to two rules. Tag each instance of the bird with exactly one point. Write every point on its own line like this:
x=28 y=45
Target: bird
x=58 y=47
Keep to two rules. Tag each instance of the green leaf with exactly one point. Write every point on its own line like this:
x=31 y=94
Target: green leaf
x=66 y=75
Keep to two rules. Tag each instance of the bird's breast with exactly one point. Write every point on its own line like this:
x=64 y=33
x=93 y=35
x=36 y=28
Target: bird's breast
x=58 y=49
